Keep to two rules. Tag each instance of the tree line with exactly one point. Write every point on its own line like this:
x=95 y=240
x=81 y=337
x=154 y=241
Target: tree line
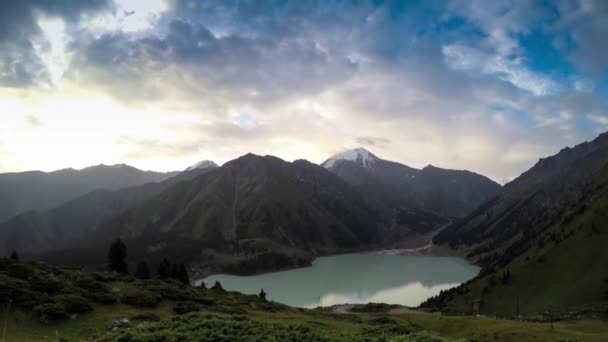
x=117 y=260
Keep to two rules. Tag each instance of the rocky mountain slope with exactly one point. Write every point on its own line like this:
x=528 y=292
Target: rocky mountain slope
x=258 y=210
x=448 y=193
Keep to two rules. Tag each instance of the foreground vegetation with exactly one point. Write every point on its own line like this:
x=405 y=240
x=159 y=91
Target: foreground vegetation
x=54 y=304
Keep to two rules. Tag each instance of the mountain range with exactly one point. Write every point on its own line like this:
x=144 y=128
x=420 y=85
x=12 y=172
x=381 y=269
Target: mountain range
x=35 y=190
x=253 y=213
x=449 y=193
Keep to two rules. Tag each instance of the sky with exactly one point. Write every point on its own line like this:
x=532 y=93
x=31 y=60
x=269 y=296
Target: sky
x=488 y=86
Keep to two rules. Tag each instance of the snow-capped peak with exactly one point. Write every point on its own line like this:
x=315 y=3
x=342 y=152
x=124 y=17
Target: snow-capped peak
x=203 y=164
x=359 y=155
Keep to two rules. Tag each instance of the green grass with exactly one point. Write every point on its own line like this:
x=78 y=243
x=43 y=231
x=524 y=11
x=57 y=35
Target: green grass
x=233 y=317
x=570 y=277
x=364 y=327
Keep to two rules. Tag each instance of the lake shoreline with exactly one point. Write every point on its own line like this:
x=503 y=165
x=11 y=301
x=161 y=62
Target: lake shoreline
x=418 y=245
x=356 y=278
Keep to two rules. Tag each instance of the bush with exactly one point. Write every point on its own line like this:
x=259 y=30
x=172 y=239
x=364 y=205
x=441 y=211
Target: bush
x=103 y=297
x=141 y=298
x=185 y=307
x=74 y=303
x=49 y=311
x=45 y=284
x=146 y=317
x=21 y=271
x=88 y=282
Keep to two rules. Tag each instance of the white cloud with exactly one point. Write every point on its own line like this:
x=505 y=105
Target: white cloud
x=462 y=57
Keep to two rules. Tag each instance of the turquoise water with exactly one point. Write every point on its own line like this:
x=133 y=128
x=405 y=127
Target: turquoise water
x=356 y=278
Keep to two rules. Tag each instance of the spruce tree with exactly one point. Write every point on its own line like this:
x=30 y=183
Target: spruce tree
x=182 y=274
x=142 y=271
x=175 y=271
x=118 y=256
x=164 y=269
x=217 y=286
x=14 y=255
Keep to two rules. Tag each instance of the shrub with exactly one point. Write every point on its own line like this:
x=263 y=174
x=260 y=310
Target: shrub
x=21 y=271
x=45 y=284
x=74 y=303
x=146 y=317
x=49 y=311
x=103 y=297
x=141 y=298
x=185 y=307
x=88 y=282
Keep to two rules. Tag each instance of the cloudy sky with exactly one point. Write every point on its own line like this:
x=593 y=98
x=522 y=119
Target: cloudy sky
x=489 y=86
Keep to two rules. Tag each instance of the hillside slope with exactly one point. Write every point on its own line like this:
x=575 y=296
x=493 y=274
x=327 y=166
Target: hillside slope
x=35 y=190
x=542 y=240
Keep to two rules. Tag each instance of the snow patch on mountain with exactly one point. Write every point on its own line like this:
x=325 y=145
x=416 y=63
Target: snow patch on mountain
x=359 y=155
x=203 y=164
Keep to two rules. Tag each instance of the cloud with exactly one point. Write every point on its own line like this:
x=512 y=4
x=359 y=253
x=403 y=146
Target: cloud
x=22 y=41
x=373 y=141
x=161 y=86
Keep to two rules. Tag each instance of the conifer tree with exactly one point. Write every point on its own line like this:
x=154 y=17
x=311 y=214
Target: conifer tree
x=142 y=271
x=182 y=274
x=164 y=269
x=117 y=257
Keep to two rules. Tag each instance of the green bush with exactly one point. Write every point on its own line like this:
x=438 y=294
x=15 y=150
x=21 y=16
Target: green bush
x=103 y=297
x=185 y=307
x=21 y=271
x=49 y=311
x=74 y=303
x=141 y=298
x=146 y=317
x=45 y=284
x=88 y=283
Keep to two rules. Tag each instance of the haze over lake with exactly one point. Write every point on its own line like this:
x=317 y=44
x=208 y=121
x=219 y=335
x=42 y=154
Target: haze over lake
x=356 y=278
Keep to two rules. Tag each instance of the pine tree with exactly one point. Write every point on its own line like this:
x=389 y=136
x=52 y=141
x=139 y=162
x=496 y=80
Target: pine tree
x=182 y=274
x=175 y=271
x=164 y=269
x=217 y=286
x=142 y=271
x=117 y=257
x=14 y=255
x=262 y=295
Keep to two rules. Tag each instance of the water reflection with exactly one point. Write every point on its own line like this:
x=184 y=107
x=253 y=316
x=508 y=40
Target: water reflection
x=357 y=278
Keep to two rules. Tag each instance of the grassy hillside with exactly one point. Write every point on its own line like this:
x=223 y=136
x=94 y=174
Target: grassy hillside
x=542 y=242
x=53 y=304
x=565 y=272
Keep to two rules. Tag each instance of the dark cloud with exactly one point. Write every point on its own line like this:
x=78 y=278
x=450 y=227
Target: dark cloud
x=373 y=141
x=583 y=25
x=20 y=64
x=197 y=63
